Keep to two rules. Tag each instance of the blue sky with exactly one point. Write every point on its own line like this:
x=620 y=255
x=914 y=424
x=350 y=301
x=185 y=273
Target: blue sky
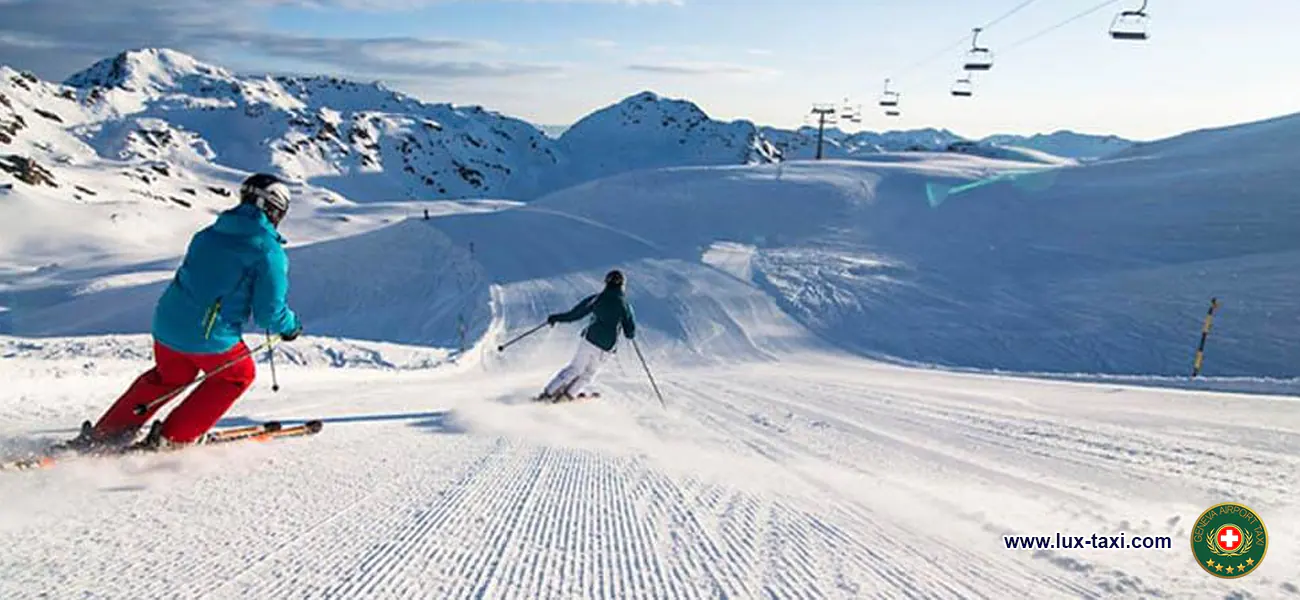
x=552 y=61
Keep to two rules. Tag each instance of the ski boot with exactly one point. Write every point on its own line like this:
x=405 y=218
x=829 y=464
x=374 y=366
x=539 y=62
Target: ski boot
x=90 y=442
x=151 y=442
x=84 y=441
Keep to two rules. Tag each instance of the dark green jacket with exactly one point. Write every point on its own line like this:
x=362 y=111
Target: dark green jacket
x=609 y=310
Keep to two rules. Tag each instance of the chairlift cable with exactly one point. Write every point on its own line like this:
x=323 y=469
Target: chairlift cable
x=936 y=56
x=1009 y=14
x=1057 y=26
x=963 y=40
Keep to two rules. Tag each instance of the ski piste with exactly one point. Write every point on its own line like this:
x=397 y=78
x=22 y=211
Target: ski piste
x=261 y=432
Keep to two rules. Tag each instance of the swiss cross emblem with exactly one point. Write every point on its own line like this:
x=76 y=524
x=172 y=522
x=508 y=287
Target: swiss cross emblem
x=1229 y=538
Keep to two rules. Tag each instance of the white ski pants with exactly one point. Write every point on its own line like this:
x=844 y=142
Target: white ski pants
x=580 y=372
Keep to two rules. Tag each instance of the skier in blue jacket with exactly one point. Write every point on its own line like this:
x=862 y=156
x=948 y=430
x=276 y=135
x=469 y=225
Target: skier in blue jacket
x=233 y=270
x=610 y=313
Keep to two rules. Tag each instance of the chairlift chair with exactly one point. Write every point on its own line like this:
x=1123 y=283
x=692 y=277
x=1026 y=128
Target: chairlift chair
x=978 y=59
x=888 y=98
x=963 y=88
x=1131 y=24
x=892 y=113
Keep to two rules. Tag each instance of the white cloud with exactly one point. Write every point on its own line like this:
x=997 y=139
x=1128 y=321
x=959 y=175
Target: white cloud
x=25 y=40
x=702 y=69
x=86 y=32
x=401 y=5
x=393 y=57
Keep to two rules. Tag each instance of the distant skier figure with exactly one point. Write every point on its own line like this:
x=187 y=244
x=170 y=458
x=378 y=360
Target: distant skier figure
x=610 y=311
x=232 y=269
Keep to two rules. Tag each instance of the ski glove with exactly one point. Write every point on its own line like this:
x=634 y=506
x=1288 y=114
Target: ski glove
x=552 y=320
x=292 y=335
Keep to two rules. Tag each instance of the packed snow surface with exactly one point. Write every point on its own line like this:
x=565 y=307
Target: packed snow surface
x=815 y=477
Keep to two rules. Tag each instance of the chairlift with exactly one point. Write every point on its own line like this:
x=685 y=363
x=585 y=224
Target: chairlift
x=978 y=59
x=1131 y=24
x=892 y=113
x=963 y=88
x=888 y=98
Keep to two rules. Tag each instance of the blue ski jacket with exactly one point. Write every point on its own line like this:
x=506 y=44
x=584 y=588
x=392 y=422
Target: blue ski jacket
x=233 y=269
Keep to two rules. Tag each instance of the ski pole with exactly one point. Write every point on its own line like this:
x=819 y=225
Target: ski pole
x=141 y=409
x=525 y=334
x=649 y=374
x=270 y=357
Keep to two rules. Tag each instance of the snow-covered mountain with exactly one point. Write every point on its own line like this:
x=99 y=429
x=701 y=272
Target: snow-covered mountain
x=650 y=131
x=1064 y=143
x=362 y=141
x=801 y=144
x=553 y=131
x=161 y=113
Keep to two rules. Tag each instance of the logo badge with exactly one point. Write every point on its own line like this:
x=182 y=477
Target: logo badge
x=1229 y=540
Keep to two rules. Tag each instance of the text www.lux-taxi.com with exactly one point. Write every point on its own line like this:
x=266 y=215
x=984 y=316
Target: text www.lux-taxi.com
x=1061 y=541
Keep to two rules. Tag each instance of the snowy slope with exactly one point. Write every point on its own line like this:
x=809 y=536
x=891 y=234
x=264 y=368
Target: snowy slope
x=824 y=478
x=1065 y=143
x=1103 y=268
x=1010 y=153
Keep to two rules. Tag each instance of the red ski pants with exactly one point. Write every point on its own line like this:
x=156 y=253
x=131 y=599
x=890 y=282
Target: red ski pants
x=172 y=371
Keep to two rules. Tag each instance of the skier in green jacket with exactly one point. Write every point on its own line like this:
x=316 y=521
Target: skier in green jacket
x=610 y=311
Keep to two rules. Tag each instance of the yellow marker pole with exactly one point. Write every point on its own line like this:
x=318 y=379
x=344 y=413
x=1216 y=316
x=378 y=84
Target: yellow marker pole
x=1205 y=333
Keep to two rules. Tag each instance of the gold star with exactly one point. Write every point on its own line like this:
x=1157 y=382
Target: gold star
x=1209 y=563
x=1250 y=561
x=1218 y=567
x=1229 y=570
x=1241 y=568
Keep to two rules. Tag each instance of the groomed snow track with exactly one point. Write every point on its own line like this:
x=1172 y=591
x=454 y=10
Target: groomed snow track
x=825 y=478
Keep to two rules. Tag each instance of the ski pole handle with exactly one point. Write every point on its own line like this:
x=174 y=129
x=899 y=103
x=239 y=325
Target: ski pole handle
x=525 y=334
x=143 y=409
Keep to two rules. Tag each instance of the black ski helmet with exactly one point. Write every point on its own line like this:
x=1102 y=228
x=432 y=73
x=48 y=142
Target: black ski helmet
x=268 y=193
x=614 y=278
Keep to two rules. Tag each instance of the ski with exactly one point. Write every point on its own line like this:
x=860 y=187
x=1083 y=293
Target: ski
x=237 y=433
x=268 y=433
x=261 y=432
x=563 y=399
